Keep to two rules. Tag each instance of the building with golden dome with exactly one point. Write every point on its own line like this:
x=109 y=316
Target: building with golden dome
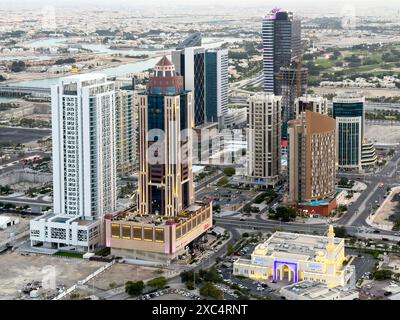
x=295 y=257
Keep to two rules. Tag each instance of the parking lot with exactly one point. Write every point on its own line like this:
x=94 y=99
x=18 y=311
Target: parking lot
x=170 y=294
x=364 y=263
x=229 y=199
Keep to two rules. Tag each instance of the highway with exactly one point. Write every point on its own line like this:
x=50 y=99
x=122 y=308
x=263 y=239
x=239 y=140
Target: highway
x=359 y=210
x=355 y=218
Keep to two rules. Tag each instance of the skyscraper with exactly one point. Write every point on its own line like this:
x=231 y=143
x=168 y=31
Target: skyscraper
x=292 y=83
x=348 y=110
x=217 y=85
x=281 y=37
x=312 y=162
x=84 y=162
x=167 y=219
x=264 y=139
x=165 y=178
x=126 y=127
x=190 y=64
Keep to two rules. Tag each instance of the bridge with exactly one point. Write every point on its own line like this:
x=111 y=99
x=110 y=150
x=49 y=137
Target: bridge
x=16 y=91
x=36 y=205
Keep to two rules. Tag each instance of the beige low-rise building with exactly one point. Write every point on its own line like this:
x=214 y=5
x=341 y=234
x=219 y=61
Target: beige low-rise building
x=309 y=290
x=296 y=257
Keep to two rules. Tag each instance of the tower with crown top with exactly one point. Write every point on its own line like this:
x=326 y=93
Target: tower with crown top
x=165 y=144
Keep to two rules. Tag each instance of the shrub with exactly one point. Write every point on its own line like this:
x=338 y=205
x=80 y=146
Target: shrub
x=134 y=288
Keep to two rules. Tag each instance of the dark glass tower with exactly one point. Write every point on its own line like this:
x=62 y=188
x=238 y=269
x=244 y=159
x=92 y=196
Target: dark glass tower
x=348 y=110
x=281 y=36
x=190 y=63
x=292 y=83
x=217 y=85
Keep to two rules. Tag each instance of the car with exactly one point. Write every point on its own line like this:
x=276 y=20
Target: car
x=376 y=231
x=397 y=234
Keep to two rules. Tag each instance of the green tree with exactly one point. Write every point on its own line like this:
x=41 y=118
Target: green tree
x=190 y=285
x=340 y=232
x=217 y=208
x=158 y=283
x=18 y=66
x=229 y=171
x=222 y=182
x=382 y=275
x=343 y=181
x=209 y=290
x=134 y=288
x=285 y=214
x=5 y=190
x=247 y=208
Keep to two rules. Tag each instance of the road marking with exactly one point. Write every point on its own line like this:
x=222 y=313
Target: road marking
x=361 y=208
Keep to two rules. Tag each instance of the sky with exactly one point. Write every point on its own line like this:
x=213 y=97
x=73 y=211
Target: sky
x=227 y=3
x=300 y=7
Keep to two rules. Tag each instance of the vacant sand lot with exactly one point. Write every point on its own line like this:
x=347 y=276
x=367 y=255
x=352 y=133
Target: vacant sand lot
x=383 y=134
x=120 y=273
x=17 y=270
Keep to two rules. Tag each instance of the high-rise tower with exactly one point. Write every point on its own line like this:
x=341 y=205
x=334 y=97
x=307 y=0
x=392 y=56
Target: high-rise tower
x=217 y=85
x=167 y=219
x=264 y=139
x=165 y=144
x=312 y=161
x=84 y=162
x=190 y=64
x=354 y=151
x=281 y=37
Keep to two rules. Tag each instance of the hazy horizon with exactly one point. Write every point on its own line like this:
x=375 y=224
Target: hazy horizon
x=290 y=4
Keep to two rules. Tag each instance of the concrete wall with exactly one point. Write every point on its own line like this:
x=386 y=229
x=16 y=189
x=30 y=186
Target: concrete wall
x=24 y=175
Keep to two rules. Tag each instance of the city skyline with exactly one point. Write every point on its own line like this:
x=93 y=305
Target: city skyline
x=184 y=150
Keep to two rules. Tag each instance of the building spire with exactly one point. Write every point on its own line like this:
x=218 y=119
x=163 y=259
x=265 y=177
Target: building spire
x=331 y=232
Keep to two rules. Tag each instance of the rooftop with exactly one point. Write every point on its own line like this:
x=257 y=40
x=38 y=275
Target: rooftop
x=158 y=220
x=300 y=246
x=318 y=291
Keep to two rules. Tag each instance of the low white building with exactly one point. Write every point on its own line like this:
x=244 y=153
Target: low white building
x=6 y=222
x=311 y=290
x=57 y=231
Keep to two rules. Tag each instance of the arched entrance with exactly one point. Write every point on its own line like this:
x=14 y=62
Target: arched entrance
x=285 y=270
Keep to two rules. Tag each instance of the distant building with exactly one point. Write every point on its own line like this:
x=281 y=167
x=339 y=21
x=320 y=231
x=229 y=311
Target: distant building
x=217 y=85
x=281 y=38
x=312 y=162
x=126 y=125
x=190 y=64
x=296 y=257
x=206 y=143
x=167 y=218
x=311 y=103
x=194 y=40
x=292 y=83
x=6 y=222
x=349 y=112
x=236 y=117
x=263 y=139
x=84 y=163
